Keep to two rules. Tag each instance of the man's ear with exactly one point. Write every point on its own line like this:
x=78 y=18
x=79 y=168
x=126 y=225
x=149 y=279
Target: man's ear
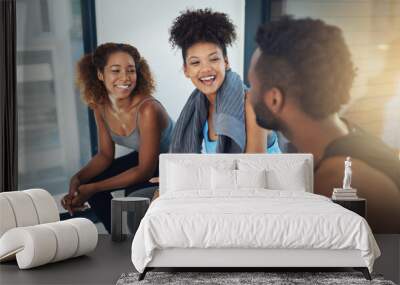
x=100 y=75
x=273 y=98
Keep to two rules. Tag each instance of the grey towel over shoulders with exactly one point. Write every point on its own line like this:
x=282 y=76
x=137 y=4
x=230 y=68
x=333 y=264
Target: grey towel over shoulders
x=229 y=121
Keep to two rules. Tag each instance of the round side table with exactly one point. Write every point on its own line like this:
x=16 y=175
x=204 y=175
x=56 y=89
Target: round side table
x=137 y=205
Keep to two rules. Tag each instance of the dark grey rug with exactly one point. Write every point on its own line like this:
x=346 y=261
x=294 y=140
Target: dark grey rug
x=269 y=278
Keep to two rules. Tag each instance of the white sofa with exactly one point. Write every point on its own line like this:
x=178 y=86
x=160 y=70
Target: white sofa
x=247 y=210
x=31 y=233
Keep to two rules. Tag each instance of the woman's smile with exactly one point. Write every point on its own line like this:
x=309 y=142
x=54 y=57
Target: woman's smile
x=205 y=66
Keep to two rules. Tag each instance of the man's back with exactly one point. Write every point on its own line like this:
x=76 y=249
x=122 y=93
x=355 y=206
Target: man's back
x=376 y=173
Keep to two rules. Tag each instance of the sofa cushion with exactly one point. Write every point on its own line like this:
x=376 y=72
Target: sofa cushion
x=7 y=220
x=40 y=244
x=26 y=208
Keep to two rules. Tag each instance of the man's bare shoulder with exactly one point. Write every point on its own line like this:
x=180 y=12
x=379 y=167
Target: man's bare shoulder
x=329 y=175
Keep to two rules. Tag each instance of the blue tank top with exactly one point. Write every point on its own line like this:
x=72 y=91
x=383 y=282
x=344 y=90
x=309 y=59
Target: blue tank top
x=272 y=143
x=210 y=146
x=132 y=140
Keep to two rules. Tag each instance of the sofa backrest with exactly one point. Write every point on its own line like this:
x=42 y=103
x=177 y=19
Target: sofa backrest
x=26 y=208
x=285 y=170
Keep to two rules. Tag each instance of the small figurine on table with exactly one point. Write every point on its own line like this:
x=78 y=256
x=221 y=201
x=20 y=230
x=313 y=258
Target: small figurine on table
x=347 y=173
x=346 y=192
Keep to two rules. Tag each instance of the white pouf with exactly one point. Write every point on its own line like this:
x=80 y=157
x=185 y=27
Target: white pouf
x=31 y=232
x=26 y=208
x=7 y=218
x=46 y=207
x=40 y=244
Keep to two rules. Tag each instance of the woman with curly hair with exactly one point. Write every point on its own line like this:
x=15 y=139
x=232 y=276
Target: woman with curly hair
x=117 y=85
x=217 y=118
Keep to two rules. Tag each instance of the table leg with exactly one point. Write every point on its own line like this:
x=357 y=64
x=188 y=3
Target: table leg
x=116 y=221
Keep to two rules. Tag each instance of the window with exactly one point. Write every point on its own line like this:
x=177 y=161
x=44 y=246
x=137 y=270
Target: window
x=53 y=135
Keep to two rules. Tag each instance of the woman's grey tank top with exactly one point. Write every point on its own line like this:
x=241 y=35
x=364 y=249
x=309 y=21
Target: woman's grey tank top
x=132 y=140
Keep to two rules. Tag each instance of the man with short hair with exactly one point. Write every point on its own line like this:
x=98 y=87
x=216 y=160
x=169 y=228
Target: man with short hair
x=300 y=76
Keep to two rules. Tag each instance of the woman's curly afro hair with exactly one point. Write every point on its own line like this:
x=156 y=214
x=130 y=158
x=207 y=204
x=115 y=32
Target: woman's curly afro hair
x=307 y=59
x=93 y=91
x=202 y=25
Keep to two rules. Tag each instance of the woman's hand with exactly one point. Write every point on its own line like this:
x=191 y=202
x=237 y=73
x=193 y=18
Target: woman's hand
x=85 y=191
x=154 y=180
x=73 y=186
x=66 y=202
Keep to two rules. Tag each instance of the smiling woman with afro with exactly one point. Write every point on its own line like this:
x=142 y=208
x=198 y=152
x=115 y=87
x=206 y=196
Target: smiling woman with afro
x=217 y=118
